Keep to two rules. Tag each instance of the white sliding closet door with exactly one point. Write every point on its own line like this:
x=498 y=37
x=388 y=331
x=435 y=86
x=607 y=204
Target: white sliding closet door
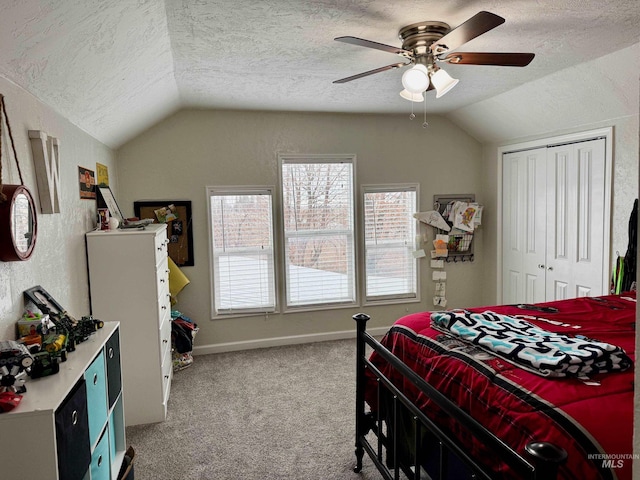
x=553 y=219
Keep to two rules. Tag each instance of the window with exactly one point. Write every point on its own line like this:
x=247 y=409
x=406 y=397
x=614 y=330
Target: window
x=390 y=239
x=317 y=205
x=242 y=250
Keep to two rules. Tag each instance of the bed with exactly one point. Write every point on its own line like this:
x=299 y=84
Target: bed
x=432 y=404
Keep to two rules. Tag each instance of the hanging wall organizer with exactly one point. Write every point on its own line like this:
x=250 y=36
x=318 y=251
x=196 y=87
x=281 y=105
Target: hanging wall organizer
x=462 y=216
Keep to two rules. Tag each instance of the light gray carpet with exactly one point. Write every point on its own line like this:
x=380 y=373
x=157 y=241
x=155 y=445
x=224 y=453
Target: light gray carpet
x=277 y=413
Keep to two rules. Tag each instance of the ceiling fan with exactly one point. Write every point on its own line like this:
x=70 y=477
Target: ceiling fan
x=425 y=43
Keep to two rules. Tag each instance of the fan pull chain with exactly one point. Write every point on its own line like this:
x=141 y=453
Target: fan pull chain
x=412 y=116
x=425 y=124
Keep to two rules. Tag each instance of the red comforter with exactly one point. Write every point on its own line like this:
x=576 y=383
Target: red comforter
x=592 y=421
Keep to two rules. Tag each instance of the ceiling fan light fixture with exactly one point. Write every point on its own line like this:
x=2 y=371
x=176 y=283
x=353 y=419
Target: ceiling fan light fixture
x=412 y=97
x=416 y=80
x=443 y=82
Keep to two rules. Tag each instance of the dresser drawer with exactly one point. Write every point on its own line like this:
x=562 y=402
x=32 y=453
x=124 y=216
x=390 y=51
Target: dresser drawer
x=72 y=434
x=165 y=338
x=162 y=278
x=160 y=246
x=96 y=397
x=167 y=372
x=164 y=305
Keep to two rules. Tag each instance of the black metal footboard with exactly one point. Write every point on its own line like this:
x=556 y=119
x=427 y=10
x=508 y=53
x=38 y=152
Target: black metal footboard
x=398 y=419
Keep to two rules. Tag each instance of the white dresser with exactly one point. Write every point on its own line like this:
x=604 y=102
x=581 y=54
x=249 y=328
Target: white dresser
x=129 y=283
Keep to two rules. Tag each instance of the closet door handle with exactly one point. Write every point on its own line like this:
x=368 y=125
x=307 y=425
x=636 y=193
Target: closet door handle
x=540 y=265
x=550 y=268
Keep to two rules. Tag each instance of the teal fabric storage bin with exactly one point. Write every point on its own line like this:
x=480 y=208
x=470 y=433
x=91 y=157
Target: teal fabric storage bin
x=100 y=462
x=95 y=379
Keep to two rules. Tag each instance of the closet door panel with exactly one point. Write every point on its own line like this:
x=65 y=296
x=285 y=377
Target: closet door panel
x=560 y=220
x=590 y=234
x=575 y=219
x=524 y=213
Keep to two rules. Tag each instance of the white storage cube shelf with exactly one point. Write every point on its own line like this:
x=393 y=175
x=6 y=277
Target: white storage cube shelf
x=70 y=425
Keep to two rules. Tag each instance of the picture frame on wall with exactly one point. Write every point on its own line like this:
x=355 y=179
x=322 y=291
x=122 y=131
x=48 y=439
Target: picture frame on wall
x=86 y=183
x=177 y=215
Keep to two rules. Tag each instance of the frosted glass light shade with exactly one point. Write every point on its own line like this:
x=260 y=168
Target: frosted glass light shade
x=413 y=97
x=443 y=82
x=416 y=79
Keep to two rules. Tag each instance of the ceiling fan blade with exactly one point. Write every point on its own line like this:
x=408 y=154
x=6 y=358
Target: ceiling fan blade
x=480 y=23
x=378 y=46
x=371 y=72
x=485 y=58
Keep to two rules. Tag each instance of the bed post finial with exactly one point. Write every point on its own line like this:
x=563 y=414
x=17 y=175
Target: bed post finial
x=361 y=430
x=547 y=457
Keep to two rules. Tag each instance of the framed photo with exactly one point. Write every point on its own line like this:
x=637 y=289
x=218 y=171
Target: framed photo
x=177 y=215
x=86 y=182
x=107 y=200
x=102 y=175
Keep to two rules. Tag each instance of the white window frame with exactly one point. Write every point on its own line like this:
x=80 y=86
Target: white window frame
x=413 y=245
x=353 y=284
x=213 y=191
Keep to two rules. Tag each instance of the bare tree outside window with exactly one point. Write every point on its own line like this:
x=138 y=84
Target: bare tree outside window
x=318 y=225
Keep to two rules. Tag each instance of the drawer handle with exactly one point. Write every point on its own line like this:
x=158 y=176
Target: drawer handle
x=74 y=417
x=167 y=377
x=110 y=352
x=95 y=378
x=164 y=307
x=162 y=280
x=100 y=460
x=165 y=341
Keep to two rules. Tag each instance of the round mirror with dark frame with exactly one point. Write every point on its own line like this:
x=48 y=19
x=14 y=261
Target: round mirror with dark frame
x=18 y=224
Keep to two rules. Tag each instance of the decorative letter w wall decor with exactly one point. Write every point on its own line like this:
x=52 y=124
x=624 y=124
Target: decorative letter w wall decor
x=47 y=167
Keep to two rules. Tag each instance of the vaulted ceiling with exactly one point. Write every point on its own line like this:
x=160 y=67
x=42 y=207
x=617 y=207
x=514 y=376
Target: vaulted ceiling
x=114 y=68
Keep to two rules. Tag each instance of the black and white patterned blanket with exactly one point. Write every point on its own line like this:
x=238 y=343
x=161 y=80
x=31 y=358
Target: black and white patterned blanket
x=540 y=351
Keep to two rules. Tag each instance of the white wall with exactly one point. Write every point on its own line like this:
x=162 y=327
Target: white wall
x=58 y=263
x=179 y=157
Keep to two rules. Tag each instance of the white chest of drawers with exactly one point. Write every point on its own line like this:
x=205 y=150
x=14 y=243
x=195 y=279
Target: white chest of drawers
x=129 y=283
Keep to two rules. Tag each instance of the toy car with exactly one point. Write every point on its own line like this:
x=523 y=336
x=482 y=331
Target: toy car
x=15 y=359
x=44 y=365
x=14 y=353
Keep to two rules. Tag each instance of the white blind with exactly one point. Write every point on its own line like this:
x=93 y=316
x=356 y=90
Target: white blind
x=318 y=229
x=243 y=261
x=390 y=230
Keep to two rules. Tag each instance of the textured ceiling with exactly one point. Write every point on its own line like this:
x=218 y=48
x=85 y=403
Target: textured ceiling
x=116 y=67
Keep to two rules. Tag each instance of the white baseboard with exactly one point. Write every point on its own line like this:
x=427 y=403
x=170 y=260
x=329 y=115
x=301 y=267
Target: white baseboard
x=281 y=341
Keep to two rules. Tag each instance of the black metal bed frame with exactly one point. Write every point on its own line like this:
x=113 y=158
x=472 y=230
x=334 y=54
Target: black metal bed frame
x=541 y=463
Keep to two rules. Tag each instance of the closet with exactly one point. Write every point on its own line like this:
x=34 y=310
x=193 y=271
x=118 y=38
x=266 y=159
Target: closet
x=555 y=221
